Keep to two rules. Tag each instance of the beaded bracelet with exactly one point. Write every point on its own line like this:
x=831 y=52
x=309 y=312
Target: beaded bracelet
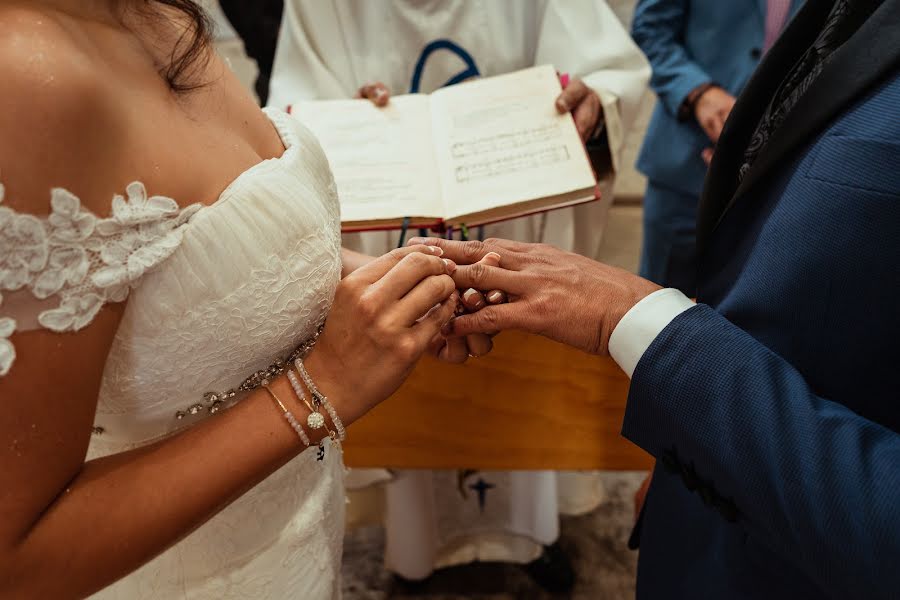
x=336 y=420
x=315 y=419
x=320 y=399
x=288 y=415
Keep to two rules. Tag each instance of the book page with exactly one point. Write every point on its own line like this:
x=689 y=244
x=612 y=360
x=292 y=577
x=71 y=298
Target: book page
x=500 y=141
x=382 y=158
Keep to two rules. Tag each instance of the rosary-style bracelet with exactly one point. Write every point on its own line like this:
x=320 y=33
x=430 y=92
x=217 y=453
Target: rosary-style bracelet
x=321 y=399
x=315 y=420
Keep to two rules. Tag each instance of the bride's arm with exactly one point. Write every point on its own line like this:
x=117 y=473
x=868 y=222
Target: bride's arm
x=71 y=527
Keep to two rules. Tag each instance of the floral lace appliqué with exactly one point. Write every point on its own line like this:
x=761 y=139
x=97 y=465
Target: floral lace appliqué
x=83 y=260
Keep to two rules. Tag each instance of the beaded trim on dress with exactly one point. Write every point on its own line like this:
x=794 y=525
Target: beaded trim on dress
x=81 y=259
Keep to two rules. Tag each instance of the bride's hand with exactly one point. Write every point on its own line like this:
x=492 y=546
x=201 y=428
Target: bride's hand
x=453 y=350
x=375 y=331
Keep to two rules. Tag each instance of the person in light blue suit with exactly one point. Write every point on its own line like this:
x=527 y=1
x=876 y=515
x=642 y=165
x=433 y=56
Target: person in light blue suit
x=702 y=53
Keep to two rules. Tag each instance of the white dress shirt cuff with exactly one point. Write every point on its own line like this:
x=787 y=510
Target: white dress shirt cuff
x=640 y=326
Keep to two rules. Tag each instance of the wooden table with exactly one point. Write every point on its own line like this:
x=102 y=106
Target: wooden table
x=530 y=404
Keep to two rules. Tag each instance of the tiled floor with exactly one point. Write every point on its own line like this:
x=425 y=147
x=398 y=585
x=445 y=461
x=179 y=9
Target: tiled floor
x=595 y=542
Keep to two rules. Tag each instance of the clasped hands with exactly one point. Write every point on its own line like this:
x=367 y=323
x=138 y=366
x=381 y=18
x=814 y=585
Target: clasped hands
x=560 y=295
x=389 y=312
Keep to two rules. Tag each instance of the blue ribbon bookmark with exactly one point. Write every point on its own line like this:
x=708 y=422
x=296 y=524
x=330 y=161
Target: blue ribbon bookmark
x=403 y=229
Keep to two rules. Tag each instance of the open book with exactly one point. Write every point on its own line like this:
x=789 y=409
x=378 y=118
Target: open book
x=474 y=153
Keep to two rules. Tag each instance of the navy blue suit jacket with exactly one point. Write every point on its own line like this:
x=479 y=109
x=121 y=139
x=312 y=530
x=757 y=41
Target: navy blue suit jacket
x=773 y=407
x=689 y=43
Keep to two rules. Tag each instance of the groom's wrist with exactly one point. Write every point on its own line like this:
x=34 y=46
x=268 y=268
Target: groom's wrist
x=642 y=323
x=636 y=289
x=618 y=294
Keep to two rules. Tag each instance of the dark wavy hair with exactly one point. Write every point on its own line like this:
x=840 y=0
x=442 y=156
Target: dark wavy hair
x=191 y=50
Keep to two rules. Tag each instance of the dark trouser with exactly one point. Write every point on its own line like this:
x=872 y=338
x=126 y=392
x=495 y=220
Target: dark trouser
x=669 y=253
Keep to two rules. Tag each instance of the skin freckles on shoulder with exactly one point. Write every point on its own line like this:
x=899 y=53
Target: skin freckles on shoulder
x=56 y=115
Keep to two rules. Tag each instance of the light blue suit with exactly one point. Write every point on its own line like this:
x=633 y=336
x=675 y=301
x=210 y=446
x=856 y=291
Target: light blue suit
x=688 y=43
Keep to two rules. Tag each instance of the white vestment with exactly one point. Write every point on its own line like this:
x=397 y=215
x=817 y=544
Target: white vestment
x=328 y=50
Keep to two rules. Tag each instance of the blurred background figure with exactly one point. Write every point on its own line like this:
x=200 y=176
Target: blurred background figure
x=229 y=45
x=347 y=48
x=702 y=53
x=257 y=24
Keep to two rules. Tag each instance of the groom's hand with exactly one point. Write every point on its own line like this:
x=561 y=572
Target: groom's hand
x=563 y=296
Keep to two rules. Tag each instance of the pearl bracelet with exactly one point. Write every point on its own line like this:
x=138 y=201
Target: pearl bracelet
x=315 y=420
x=321 y=400
x=288 y=415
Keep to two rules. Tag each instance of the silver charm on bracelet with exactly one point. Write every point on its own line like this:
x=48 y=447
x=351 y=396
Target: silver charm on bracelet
x=315 y=420
x=320 y=399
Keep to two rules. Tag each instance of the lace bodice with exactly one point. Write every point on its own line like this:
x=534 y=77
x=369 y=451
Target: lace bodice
x=214 y=293
x=79 y=259
x=282 y=250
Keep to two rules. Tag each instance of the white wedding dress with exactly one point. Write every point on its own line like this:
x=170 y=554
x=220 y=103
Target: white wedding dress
x=216 y=293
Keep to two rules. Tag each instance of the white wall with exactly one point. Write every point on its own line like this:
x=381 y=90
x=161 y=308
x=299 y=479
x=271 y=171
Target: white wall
x=631 y=184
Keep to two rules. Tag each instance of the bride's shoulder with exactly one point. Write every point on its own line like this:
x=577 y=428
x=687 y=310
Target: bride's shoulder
x=42 y=51
x=55 y=114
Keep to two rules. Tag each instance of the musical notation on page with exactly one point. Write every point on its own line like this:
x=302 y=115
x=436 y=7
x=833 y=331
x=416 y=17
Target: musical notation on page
x=506 y=165
x=478 y=152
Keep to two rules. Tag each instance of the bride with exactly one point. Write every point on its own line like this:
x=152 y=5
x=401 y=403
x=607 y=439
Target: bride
x=164 y=248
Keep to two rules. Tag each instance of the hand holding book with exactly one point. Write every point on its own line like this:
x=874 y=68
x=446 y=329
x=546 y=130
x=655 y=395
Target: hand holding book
x=477 y=152
x=584 y=104
x=576 y=98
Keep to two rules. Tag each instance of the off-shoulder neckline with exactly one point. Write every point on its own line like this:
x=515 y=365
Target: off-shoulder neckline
x=141 y=232
x=280 y=121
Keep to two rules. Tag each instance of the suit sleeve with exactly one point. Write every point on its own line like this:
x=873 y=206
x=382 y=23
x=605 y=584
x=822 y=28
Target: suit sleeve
x=659 y=28
x=816 y=482
x=586 y=39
